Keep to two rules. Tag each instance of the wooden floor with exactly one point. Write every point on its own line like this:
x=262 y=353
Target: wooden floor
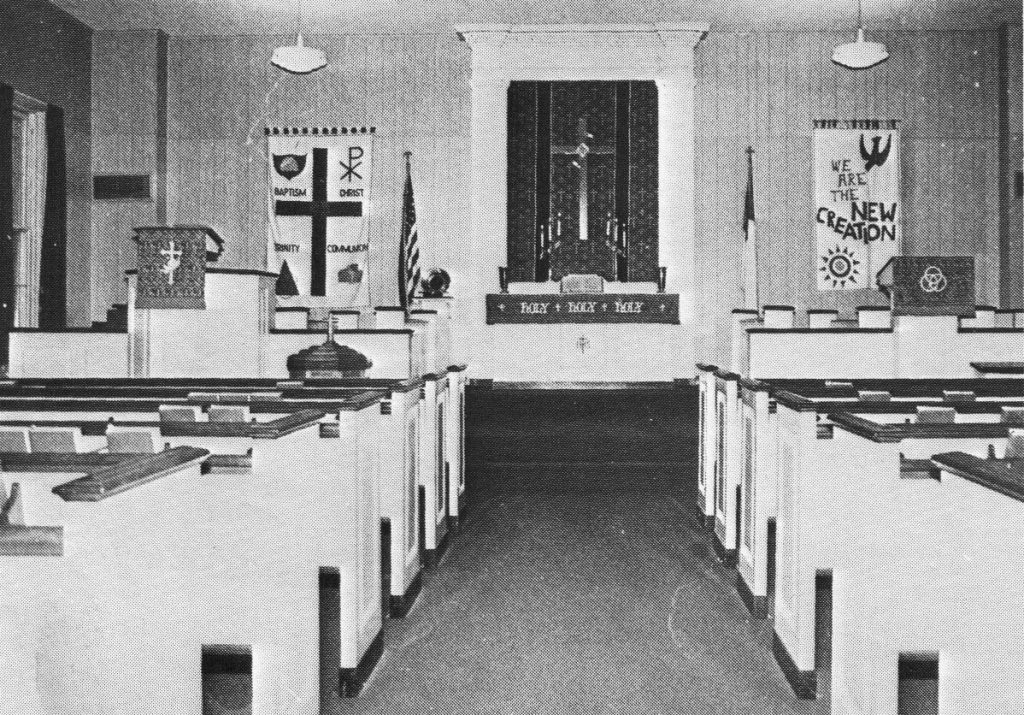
x=581 y=582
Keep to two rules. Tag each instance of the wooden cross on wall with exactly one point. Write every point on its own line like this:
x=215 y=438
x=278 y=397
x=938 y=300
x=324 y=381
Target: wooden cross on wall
x=582 y=149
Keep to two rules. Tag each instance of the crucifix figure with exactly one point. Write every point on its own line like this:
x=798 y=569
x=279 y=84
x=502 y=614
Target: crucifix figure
x=582 y=149
x=318 y=210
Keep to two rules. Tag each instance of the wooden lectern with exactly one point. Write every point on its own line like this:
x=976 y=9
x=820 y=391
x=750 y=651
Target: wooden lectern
x=929 y=285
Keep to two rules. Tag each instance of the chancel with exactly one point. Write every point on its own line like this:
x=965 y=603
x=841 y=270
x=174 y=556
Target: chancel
x=589 y=357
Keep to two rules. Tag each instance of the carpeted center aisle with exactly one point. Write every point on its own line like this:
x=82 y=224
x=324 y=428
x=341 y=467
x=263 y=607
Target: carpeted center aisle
x=581 y=582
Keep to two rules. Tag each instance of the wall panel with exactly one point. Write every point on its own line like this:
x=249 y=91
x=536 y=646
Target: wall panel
x=942 y=85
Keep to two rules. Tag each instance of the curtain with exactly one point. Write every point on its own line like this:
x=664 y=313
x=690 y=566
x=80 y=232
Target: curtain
x=26 y=299
x=7 y=253
x=53 y=259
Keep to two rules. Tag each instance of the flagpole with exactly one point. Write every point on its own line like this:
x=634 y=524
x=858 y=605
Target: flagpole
x=751 y=297
x=403 y=298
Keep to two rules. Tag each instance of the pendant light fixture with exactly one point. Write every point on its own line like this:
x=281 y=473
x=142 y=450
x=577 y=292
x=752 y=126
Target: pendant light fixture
x=859 y=55
x=297 y=58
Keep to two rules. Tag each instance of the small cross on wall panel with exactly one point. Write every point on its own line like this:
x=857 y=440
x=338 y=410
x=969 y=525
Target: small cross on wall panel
x=122 y=187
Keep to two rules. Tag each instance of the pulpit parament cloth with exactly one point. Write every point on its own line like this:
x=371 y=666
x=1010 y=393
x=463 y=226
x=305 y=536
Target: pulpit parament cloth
x=319 y=215
x=172 y=267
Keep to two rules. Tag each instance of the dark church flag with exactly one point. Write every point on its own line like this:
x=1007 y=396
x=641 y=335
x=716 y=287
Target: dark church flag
x=750 y=287
x=408 y=250
x=318 y=238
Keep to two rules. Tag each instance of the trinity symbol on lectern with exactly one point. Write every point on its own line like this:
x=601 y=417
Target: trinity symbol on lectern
x=933 y=280
x=173 y=257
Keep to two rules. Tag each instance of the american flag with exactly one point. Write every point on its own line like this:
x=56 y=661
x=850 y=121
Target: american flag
x=408 y=251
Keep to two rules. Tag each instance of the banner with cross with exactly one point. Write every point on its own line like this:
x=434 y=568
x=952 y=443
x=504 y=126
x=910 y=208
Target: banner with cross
x=319 y=214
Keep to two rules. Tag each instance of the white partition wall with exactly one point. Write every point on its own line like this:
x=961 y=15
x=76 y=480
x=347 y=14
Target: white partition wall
x=913 y=347
x=71 y=354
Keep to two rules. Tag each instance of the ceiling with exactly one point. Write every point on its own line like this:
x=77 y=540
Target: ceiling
x=268 y=17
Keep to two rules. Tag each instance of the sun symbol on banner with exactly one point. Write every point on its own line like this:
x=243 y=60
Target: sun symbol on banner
x=840 y=267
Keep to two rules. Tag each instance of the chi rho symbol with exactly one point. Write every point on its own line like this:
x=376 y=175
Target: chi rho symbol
x=173 y=256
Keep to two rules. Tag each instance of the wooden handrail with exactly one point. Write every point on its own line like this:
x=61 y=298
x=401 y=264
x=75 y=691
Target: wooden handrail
x=115 y=479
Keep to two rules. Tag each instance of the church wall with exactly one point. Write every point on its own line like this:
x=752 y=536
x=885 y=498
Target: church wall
x=1013 y=291
x=46 y=54
x=413 y=89
x=762 y=88
x=766 y=89
x=128 y=136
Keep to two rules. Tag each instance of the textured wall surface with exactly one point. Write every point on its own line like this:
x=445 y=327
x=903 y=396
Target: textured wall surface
x=128 y=136
x=763 y=89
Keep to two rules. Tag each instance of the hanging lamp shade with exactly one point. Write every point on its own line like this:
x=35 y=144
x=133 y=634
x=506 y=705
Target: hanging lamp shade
x=297 y=58
x=860 y=54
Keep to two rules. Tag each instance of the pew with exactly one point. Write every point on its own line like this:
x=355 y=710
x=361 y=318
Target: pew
x=737 y=429
x=760 y=471
x=230 y=558
x=738 y=433
x=441 y=454
x=435 y=493
x=397 y=430
x=852 y=499
x=975 y=649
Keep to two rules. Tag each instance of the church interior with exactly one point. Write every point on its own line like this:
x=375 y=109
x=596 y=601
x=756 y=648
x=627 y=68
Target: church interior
x=606 y=357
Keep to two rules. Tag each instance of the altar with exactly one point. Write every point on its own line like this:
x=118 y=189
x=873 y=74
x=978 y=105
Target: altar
x=582 y=162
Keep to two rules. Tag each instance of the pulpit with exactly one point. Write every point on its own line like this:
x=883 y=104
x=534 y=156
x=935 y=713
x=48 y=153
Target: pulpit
x=226 y=338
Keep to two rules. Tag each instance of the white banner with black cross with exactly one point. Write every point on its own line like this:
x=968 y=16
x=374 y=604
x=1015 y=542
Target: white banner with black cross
x=857 y=211
x=319 y=206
